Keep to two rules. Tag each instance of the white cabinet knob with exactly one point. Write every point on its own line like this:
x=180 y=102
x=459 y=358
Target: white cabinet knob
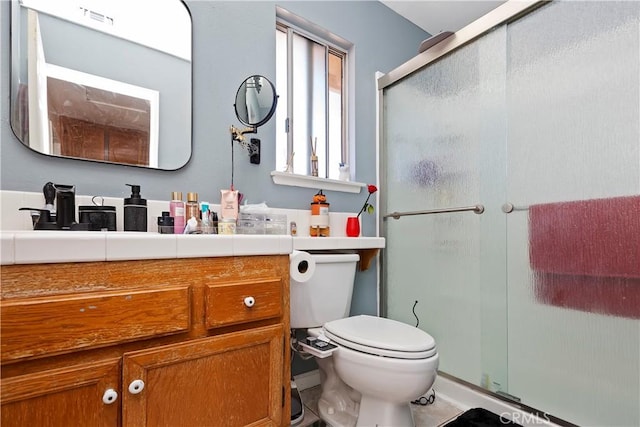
x=110 y=396
x=249 y=301
x=136 y=386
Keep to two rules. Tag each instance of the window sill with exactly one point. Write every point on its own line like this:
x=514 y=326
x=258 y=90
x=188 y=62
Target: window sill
x=294 y=180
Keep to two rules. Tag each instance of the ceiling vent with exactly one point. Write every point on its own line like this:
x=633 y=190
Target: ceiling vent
x=96 y=16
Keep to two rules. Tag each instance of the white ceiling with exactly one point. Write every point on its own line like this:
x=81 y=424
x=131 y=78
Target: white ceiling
x=435 y=16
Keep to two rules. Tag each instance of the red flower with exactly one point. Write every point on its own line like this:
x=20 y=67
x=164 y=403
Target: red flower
x=372 y=189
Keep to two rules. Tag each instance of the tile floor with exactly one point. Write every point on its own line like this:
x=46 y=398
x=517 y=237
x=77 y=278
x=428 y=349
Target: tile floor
x=436 y=414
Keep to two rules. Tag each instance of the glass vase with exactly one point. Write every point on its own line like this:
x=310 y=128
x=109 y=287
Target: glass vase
x=353 y=226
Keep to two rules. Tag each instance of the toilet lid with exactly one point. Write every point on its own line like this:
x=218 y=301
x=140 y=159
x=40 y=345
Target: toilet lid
x=380 y=336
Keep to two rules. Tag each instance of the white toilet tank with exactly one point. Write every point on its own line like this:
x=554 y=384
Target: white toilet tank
x=327 y=294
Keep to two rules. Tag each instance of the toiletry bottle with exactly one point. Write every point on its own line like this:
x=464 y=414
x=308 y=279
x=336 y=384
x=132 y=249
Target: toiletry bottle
x=192 y=210
x=176 y=210
x=319 y=222
x=206 y=218
x=214 y=222
x=135 y=211
x=229 y=201
x=227 y=226
x=165 y=223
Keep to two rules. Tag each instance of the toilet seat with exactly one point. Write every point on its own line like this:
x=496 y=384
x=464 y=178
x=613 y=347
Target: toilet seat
x=382 y=337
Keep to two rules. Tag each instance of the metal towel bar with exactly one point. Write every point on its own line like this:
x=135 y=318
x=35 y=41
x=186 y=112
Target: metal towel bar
x=478 y=209
x=509 y=207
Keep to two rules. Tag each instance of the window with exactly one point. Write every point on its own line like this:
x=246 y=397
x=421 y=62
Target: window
x=311 y=112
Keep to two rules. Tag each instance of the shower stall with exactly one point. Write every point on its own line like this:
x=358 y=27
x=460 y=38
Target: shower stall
x=527 y=124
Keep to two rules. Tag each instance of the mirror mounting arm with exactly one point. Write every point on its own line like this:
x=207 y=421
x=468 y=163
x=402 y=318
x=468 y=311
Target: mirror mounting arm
x=253 y=147
x=238 y=134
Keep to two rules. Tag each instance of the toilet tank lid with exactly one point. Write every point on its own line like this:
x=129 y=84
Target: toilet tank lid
x=380 y=332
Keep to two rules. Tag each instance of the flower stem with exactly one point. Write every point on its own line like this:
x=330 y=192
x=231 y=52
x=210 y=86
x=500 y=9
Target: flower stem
x=364 y=206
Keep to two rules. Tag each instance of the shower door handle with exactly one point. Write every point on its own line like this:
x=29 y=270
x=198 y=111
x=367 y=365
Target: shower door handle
x=510 y=207
x=477 y=209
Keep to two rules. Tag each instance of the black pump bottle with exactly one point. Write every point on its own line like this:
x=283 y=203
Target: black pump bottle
x=135 y=211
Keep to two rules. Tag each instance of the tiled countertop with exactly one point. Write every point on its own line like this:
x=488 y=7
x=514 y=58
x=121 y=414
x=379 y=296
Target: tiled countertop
x=30 y=247
x=329 y=243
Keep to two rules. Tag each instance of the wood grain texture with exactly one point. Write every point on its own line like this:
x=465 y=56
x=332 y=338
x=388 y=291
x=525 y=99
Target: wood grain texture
x=228 y=380
x=29 y=280
x=224 y=303
x=49 y=325
x=53 y=398
x=246 y=355
x=366 y=256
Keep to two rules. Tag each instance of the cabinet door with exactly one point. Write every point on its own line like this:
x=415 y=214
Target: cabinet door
x=70 y=396
x=233 y=379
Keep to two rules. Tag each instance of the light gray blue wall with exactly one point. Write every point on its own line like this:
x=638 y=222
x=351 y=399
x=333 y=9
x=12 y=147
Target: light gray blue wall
x=232 y=40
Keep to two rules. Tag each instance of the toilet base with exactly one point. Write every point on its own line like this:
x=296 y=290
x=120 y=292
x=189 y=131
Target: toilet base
x=382 y=413
x=339 y=404
x=337 y=418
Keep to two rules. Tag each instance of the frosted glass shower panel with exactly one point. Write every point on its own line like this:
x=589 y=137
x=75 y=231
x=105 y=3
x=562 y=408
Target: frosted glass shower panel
x=573 y=151
x=443 y=135
x=543 y=302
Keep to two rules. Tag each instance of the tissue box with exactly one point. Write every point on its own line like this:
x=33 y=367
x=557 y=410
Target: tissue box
x=249 y=223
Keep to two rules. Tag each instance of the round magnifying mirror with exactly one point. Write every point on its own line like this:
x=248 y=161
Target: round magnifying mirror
x=256 y=101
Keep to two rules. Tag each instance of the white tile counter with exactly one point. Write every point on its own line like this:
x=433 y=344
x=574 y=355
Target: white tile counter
x=30 y=247
x=329 y=243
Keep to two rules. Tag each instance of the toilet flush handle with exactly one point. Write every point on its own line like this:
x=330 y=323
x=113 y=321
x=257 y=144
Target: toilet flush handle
x=249 y=302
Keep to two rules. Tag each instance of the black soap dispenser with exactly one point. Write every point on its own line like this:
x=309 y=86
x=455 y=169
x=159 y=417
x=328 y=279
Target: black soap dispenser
x=135 y=211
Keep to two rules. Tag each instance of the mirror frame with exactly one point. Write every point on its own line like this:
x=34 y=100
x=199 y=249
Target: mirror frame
x=240 y=97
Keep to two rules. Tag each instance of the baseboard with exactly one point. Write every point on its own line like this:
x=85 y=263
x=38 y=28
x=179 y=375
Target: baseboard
x=307 y=379
x=466 y=398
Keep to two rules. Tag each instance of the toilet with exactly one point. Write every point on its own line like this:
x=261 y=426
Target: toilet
x=379 y=366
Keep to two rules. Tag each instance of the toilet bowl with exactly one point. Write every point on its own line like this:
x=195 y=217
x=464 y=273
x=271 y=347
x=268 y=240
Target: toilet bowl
x=380 y=365
x=388 y=363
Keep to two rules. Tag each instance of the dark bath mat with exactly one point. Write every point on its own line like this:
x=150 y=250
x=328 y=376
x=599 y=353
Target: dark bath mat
x=479 y=417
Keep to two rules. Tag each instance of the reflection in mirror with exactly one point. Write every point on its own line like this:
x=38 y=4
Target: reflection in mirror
x=256 y=101
x=88 y=78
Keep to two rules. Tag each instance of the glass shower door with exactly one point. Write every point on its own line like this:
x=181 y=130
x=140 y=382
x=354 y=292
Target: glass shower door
x=445 y=146
x=540 y=301
x=573 y=259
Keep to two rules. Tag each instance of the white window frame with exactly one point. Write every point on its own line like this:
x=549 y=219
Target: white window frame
x=307 y=29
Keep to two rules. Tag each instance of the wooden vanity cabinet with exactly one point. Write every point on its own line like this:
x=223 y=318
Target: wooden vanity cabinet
x=231 y=380
x=62 y=397
x=182 y=342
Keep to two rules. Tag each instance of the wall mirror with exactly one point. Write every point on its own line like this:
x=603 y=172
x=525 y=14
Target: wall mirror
x=256 y=101
x=255 y=104
x=103 y=80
